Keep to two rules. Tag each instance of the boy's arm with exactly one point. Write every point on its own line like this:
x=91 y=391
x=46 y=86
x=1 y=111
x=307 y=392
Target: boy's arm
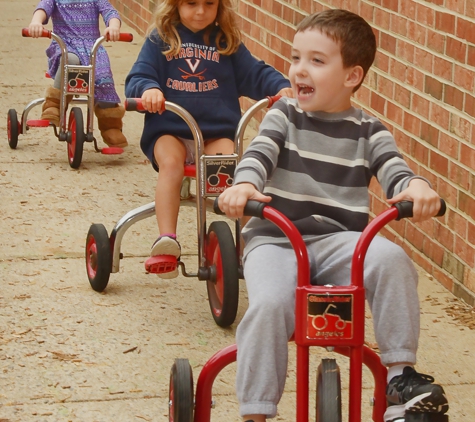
x=233 y=200
x=426 y=200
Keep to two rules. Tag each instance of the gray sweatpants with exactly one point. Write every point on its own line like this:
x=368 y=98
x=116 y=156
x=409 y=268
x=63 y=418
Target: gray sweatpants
x=270 y=274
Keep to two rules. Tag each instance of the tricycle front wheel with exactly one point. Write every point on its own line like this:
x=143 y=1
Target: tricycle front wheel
x=328 y=404
x=76 y=137
x=180 y=405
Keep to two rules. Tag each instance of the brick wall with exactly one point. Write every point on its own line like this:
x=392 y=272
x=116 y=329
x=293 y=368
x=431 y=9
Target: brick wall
x=421 y=87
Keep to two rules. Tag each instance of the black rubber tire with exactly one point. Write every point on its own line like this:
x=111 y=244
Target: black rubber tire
x=328 y=403
x=12 y=128
x=223 y=284
x=76 y=137
x=180 y=394
x=98 y=257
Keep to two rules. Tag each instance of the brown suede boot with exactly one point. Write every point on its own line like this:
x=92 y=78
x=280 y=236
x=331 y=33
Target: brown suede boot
x=50 y=108
x=110 y=125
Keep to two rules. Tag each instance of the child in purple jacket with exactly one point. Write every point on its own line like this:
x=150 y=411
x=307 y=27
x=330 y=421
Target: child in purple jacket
x=77 y=23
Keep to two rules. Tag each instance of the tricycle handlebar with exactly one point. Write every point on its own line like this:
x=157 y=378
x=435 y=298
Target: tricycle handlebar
x=25 y=32
x=405 y=209
x=123 y=36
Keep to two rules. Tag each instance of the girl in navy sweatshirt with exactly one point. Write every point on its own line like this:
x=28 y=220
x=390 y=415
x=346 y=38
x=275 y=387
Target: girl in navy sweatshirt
x=193 y=56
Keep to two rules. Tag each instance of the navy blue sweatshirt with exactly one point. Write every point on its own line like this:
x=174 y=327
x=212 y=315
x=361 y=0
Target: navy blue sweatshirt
x=207 y=84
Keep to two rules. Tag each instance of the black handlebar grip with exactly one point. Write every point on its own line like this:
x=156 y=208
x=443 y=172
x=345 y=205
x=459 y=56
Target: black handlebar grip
x=131 y=104
x=252 y=208
x=405 y=209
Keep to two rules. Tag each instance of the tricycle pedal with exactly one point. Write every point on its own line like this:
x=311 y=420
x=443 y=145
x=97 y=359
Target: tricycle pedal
x=161 y=264
x=426 y=417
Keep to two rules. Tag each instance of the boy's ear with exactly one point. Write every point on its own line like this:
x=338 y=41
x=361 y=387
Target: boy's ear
x=354 y=77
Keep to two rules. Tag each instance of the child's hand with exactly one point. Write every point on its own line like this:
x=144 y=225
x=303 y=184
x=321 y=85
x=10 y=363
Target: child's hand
x=152 y=100
x=426 y=200
x=35 y=29
x=233 y=199
x=112 y=32
x=286 y=92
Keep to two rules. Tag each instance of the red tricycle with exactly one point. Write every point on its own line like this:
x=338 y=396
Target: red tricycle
x=219 y=260
x=319 y=322
x=77 y=87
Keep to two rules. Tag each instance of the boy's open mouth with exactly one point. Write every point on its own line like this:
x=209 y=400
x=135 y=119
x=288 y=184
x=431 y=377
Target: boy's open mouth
x=305 y=90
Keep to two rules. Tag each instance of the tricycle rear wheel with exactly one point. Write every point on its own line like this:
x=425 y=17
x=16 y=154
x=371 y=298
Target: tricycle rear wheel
x=328 y=403
x=12 y=128
x=98 y=257
x=223 y=281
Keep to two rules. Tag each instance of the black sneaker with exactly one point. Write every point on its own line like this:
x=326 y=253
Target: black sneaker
x=412 y=392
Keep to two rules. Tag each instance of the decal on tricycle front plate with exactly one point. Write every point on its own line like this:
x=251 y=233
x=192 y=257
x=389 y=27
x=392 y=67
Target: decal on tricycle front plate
x=78 y=81
x=219 y=174
x=330 y=316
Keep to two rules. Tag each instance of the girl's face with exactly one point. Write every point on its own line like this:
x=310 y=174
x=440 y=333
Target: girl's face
x=196 y=15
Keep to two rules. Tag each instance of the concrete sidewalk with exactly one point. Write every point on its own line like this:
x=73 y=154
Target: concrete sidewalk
x=68 y=353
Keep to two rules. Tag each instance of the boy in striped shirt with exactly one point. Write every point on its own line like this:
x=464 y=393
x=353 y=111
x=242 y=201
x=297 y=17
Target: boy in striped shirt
x=313 y=160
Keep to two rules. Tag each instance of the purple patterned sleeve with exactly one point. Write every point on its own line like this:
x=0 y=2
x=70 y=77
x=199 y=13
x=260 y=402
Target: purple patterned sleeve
x=107 y=11
x=47 y=6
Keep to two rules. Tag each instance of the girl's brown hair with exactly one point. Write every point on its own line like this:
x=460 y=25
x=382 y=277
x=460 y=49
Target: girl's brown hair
x=166 y=19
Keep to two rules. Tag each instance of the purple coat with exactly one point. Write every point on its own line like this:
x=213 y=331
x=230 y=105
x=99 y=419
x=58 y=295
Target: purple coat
x=77 y=23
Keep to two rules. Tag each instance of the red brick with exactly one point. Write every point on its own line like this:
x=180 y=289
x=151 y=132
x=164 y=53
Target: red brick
x=456 y=49
x=425 y=15
x=420 y=105
x=448 y=145
x=378 y=103
x=387 y=42
x=465 y=252
x=461 y=127
x=439 y=163
x=455 y=6
x=466 y=204
x=420 y=153
x=430 y=133
x=445 y=22
x=443 y=68
x=423 y=59
x=471 y=55
x=443 y=278
x=403 y=96
x=434 y=87
x=440 y=115
x=408 y=9
x=453 y=96
x=464 y=30
x=436 y=41
x=394 y=113
x=447 y=191
x=463 y=77
x=459 y=175
x=467 y=155
x=445 y=237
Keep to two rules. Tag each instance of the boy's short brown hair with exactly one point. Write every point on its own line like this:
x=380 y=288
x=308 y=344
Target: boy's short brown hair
x=351 y=31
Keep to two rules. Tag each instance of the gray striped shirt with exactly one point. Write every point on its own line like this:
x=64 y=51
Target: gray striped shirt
x=317 y=167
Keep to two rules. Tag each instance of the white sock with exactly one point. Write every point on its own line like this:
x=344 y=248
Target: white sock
x=394 y=371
